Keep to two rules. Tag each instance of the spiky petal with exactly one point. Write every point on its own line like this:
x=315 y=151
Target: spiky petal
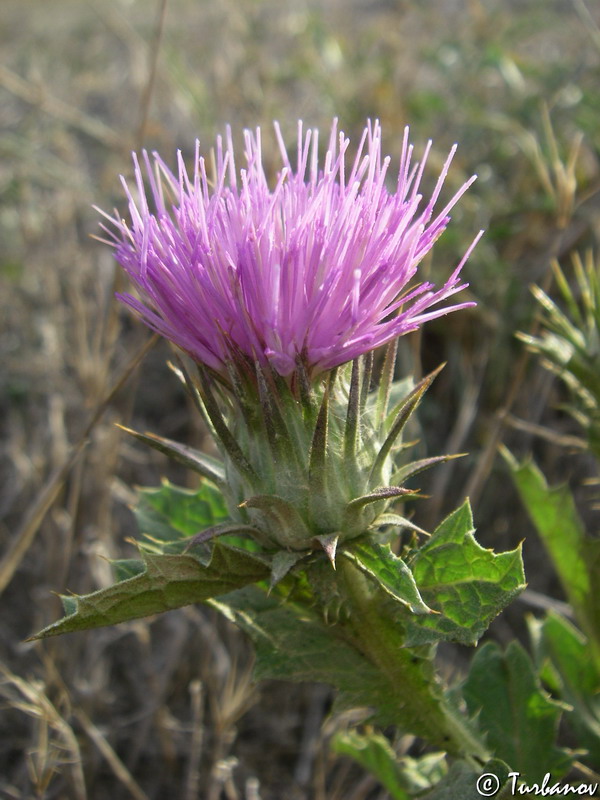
x=320 y=267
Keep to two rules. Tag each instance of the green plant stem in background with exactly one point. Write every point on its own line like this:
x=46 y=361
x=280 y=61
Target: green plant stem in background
x=425 y=710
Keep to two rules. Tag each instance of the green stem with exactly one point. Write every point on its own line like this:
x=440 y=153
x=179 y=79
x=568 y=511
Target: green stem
x=418 y=695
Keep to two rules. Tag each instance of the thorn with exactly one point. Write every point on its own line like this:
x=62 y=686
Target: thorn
x=329 y=544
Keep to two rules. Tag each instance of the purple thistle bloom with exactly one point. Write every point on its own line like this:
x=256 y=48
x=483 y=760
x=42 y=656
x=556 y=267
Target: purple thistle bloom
x=318 y=267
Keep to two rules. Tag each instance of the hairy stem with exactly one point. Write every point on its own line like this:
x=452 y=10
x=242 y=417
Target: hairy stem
x=419 y=697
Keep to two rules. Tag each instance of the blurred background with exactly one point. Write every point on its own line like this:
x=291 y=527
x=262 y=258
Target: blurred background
x=165 y=707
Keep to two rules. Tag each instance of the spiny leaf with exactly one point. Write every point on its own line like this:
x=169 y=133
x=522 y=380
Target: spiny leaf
x=374 y=753
x=389 y=572
x=124 y=568
x=462 y=782
x=519 y=718
x=293 y=643
x=467 y=584
x=283 y=561
x=169 y=515
x=562 y=655
x=168 y=582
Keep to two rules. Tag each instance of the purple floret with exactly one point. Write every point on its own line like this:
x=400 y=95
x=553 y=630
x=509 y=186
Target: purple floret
x=321 y=266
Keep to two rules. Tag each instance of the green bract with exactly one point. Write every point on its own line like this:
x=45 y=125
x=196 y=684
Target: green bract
x=305 y=466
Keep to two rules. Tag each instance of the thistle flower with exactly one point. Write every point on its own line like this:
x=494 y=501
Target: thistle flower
x=317 y=268
x=269 y=288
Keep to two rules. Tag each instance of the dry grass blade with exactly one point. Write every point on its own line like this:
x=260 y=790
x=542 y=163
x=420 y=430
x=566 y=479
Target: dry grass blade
x=192 y=784
x=26 y=534
x=119 y=769
x=252 y=789
x=574 y=442
x=32 y=700
x=588 y=21
x=39 y=97
x=153 y=63
x=229 y=703
x=542 y=601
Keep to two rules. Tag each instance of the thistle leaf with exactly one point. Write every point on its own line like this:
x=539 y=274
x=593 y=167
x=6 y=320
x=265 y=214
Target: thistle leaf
x=169 y=515
x=467 y=584
x=519 y=718
x=461 y=781
x=389 y=572
x=293 y=643
x=374 y=753
x=167 y=582
x=124 y=568
x=283 y=561
x=576 y=556
x=562 y=655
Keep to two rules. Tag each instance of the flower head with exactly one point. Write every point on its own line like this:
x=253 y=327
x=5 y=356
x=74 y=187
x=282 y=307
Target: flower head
x=319 y=266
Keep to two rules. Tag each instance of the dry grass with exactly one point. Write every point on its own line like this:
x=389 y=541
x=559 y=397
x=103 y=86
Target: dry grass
x=165 y=708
